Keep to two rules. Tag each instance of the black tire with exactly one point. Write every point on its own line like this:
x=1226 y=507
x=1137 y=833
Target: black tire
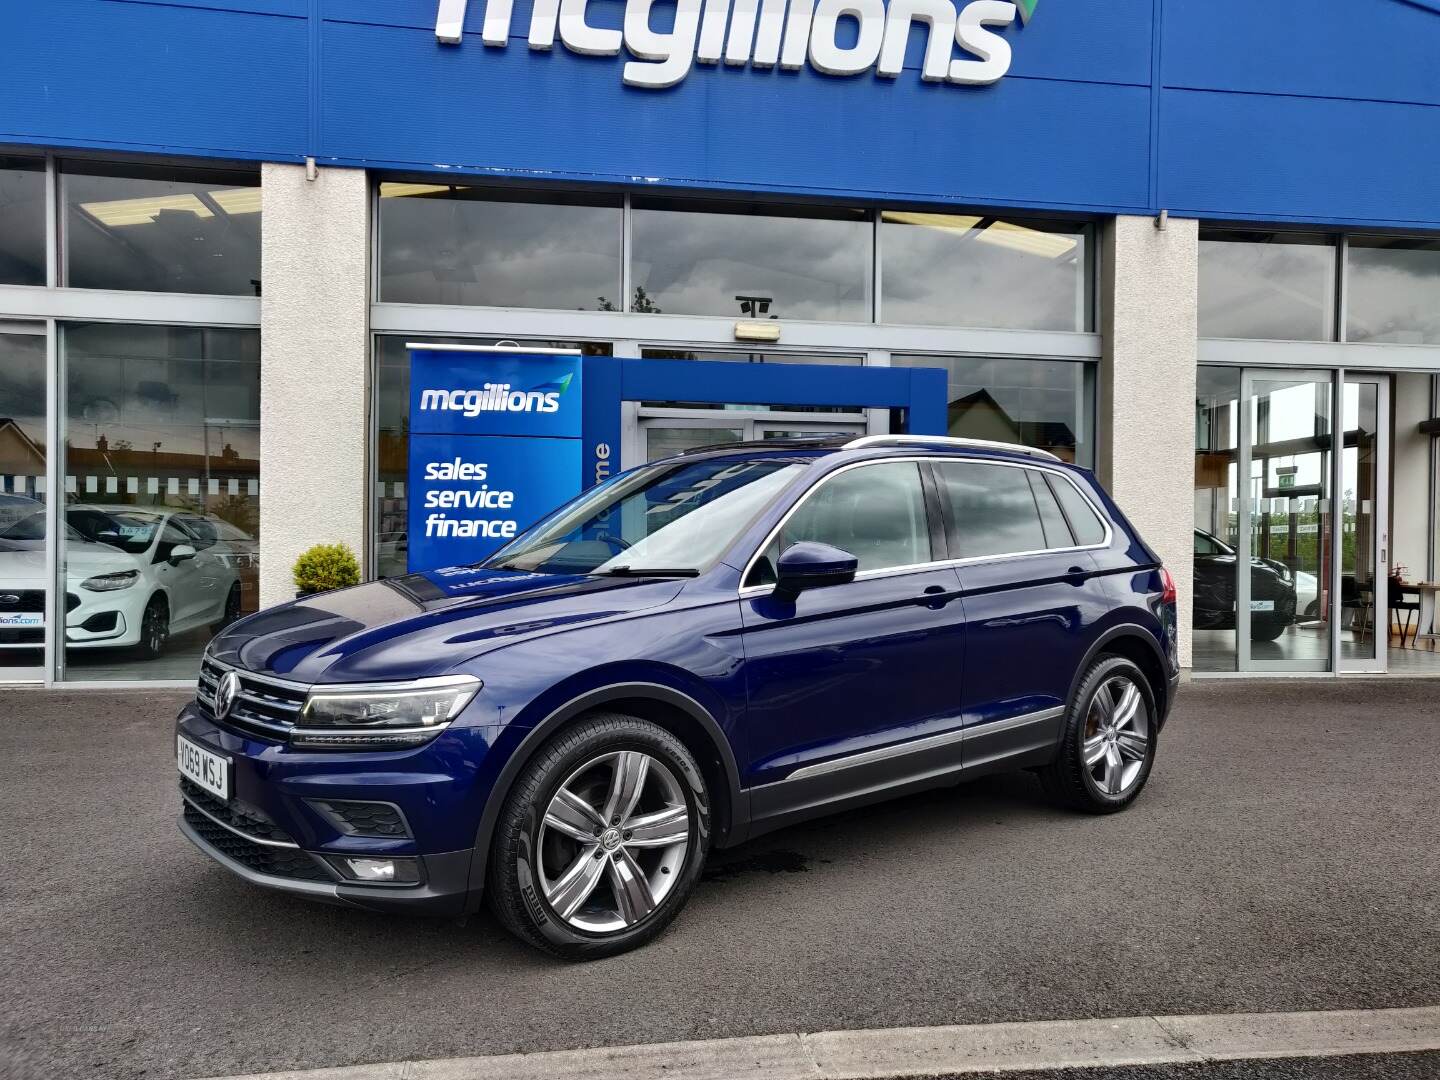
x=1068 y=779
x=232 y=609
x=1267 y=629
x=515 y=890
x=154 y=628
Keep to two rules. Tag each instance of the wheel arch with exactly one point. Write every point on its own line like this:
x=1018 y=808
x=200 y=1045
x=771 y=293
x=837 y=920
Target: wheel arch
x=674 y=710
x=1138 y=645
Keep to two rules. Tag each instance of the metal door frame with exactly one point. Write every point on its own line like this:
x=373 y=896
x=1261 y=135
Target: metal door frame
x=1380 y=556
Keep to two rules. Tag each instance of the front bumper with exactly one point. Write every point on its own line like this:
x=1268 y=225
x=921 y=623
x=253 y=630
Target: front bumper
x=275 y=830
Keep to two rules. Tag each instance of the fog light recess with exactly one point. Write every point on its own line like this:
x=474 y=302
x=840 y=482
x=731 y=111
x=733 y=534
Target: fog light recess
x=373 y=871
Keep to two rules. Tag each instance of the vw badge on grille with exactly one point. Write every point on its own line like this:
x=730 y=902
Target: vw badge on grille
x=225 y=691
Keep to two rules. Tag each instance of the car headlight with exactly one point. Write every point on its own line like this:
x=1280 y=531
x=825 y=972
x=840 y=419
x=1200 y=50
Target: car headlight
x=110 y=582
x=381 y=716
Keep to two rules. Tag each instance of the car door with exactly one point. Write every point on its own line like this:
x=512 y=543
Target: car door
x=184 y=582
x=214 y=573
x=839 y=677
x=1032 y=594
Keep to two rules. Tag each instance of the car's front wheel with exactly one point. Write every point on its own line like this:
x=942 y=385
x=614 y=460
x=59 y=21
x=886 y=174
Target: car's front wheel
x=231 y=613
x=154 y=627
x=1108 y=748
x=601 y=838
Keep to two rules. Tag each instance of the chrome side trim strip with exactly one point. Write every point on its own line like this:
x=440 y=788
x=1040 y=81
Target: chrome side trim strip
x=993 y=727
x=919 y=746
x=238 y=832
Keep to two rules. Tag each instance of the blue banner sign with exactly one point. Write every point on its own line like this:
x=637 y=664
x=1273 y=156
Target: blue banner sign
x=495 y=444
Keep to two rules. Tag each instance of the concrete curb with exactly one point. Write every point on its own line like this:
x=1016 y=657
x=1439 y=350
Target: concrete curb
x=896 y=1053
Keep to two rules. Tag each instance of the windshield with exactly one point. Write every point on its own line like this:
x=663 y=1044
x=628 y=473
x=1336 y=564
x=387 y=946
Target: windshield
x=130 y=531
x=676 y=517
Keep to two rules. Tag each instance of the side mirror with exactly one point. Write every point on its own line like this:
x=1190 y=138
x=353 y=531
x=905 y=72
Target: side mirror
x=180 y=552
x=808 y=565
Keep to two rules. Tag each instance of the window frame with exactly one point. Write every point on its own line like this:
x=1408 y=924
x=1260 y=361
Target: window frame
x=938 y=516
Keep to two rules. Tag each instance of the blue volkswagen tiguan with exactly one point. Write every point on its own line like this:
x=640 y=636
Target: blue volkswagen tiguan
x=695 y=652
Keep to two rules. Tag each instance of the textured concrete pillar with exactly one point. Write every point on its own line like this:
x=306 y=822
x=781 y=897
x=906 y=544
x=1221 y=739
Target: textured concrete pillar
x=314 y=367
x=1147 y=387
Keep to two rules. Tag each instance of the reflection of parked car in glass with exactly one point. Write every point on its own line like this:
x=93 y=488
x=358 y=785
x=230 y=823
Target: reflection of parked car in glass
x=15 y=507
x=1272 y=590
x=134 y=576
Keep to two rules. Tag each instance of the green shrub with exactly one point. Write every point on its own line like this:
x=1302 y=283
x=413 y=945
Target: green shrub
x=326 y=566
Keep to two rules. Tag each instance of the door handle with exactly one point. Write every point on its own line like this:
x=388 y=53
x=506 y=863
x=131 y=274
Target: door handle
x=937 y=596
x=1076 y=575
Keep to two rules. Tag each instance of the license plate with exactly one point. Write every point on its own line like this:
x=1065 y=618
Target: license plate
x=27 y=619
x=209 y=770
x=1262 y=605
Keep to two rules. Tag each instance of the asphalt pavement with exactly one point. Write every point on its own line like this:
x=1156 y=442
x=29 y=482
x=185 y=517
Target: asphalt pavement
x=1284 y=857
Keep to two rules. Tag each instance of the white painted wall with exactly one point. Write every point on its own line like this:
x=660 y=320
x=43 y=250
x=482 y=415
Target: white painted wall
x=1149 y=282
x=314 y=367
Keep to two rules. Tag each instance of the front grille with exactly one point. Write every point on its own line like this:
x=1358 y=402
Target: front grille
x=276 y=862
x=240 y=815
x=262 y=706
x=23 y=600
x=352 y=818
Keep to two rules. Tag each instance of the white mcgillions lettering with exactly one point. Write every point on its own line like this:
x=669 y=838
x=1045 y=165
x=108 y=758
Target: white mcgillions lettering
x=762 y=33
x=492 y=397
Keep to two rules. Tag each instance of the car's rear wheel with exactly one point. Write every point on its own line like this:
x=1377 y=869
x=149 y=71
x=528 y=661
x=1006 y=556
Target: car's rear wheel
x=1109 y=743
x=601 y=838
x=154 y=627
x=232 y=609
x=1267 y=629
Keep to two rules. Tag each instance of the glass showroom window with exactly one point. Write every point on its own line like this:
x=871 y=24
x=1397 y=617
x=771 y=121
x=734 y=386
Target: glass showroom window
x=1049 y=404
x=392 y=432
x=161 y=229
x=741 y=260
x=483 y=247
x=967 y=270
x=1392 y=290
x=22 y=501
x=1268 y=285
x=1217 y=431
x=162 y=494
x=22 y=221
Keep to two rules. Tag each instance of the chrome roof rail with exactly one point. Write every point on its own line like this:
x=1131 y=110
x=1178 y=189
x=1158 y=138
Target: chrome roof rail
x=948 y=440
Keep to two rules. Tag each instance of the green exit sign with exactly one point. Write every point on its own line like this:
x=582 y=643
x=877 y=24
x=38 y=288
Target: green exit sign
x=1287 y=481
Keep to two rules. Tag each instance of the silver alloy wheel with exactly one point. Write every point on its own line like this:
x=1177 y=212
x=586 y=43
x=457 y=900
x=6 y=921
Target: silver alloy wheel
x=1117 y=735
x=613 y=841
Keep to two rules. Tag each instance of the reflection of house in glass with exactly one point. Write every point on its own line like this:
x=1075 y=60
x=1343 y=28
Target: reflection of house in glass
x=980 y=416
x=20 y=455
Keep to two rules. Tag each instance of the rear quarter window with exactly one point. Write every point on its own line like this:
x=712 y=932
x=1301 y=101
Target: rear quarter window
x=1084 y=522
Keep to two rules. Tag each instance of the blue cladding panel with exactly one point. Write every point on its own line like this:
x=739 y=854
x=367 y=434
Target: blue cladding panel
x=175 y=78
x=1290 y=125
x=1385 y=50
x=556 y=114
x=1300 y=158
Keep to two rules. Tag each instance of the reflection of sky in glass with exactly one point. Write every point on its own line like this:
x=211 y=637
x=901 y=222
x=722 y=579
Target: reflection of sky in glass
x=22 y=222
x=693 y=263
x=441 y=248
x=958 y=270
x=1393 y=291
x=1278 y=288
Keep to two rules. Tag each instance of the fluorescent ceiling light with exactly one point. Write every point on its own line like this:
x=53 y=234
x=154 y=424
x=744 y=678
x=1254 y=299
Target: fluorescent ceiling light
x=1028 y=241
x=394 y=191
x=240 y=200
x=117 y=213
x=945 y=222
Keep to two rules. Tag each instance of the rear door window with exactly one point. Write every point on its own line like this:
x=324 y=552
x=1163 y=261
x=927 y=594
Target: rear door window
x=993 y=510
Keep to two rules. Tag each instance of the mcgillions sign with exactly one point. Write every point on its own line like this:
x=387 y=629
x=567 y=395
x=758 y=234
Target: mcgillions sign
x=764 y=33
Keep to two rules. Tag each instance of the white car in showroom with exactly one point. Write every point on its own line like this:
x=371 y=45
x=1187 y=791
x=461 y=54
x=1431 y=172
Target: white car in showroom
x=133 y=577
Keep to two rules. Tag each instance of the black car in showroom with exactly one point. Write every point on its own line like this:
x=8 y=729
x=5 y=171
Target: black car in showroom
x=1272 y=590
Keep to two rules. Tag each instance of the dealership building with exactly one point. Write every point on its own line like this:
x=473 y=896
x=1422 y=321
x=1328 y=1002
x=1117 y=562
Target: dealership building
x=1195 y=247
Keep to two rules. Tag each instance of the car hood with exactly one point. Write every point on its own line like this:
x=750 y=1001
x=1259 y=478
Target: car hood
x=24 y=567
x=424 y=624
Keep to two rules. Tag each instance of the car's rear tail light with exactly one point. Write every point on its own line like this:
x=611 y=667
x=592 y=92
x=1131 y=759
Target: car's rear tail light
x=1168 y=584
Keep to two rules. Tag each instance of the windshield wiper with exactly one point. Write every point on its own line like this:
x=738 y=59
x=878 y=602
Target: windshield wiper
x=648 y=571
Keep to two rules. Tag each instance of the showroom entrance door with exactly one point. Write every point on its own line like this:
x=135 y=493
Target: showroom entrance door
x=662 y=432
x=1312 y=524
